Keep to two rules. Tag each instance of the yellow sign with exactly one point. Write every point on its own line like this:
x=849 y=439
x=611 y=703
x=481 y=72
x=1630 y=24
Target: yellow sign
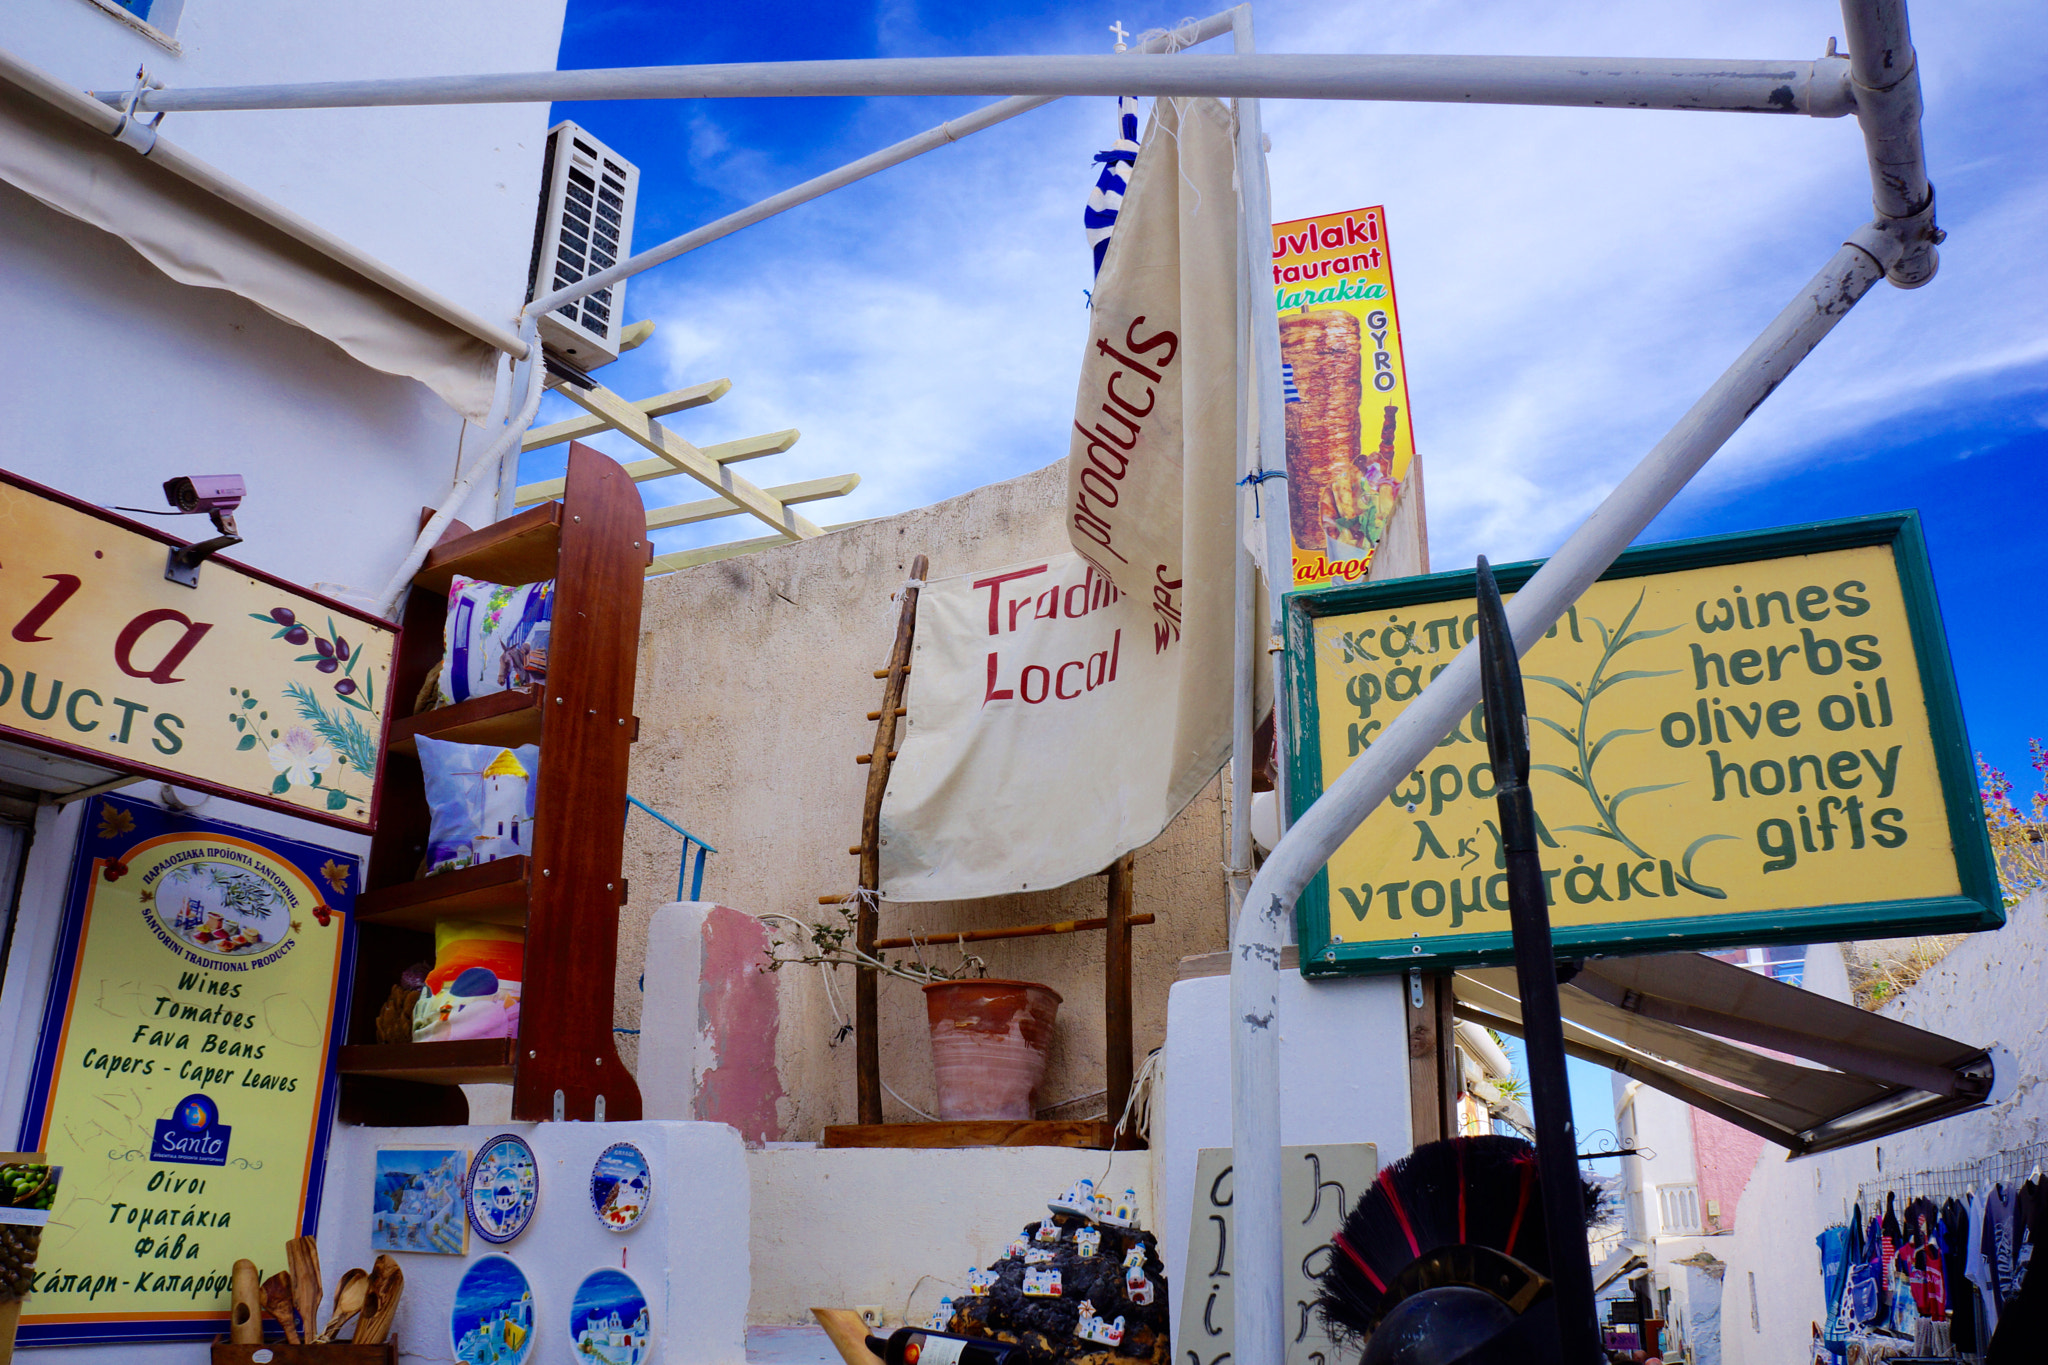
x=182 y=1073
x=1349 y=439
x=245 y=685
x=1742 y=749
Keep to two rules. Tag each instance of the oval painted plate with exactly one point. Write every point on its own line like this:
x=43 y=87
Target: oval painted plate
x=491 y=1322
x=504 y=1187
x=620 y=1186
x=609 y=1321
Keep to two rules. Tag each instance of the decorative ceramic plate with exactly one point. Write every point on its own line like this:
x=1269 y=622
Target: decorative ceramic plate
x=620 y=1186
x=504 y=1186
x=609 y=1322
x=491 y=1322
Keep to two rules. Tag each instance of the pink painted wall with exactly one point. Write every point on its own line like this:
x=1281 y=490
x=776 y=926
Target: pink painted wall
x=1723 y=1156
x=737 y=1014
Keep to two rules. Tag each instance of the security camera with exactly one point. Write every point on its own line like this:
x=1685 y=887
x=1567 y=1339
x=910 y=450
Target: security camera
x=217 y=495
x=205 y=492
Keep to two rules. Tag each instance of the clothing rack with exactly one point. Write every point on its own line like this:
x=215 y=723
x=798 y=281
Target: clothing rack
x=2010 y=1168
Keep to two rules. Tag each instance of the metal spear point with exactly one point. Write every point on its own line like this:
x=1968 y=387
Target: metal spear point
x=1536 y=974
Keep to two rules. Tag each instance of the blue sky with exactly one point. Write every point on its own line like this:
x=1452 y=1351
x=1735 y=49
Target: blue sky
x=1570 y=280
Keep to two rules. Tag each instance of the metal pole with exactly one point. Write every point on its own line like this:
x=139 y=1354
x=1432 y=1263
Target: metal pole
x=1550 y=1096
x=929 y=140
x=1258 y=1313
x=1818 y=88
x=1255 y=1097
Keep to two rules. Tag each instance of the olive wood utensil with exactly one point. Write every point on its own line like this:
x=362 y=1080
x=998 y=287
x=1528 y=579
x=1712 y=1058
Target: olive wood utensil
x=245 y=1322
x=302 y=1256
x=387 y=1284
x=348 y=1301
x=277 y=1302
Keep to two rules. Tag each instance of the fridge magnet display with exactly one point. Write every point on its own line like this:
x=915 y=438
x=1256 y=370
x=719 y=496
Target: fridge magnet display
x=491 y=1322
x=609 y=1322
x=620 y=1186
x=416 y=1199
x=504 y=1186
x=1042 y=1284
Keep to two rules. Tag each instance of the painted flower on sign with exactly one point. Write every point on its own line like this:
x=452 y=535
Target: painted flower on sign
x=115 y=823
x=299 y=757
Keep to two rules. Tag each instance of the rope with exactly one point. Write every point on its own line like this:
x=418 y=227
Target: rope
x=1256 y=478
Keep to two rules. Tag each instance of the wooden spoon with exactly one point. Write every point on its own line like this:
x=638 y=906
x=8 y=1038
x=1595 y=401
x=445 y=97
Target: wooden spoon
x=348 y=1301
x=277 y=1302
x=302 y=1255
x=387 y=1283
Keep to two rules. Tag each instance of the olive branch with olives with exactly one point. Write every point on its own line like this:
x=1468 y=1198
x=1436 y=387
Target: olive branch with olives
x=1606 y=809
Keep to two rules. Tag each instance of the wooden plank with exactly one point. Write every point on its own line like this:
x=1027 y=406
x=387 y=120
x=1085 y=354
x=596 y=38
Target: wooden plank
x=1116 y=987
x=492 y=892
x=508 y=719
x=867 y=1013
x=1426 y=1108
x=1085 y=1133
x=640 y=471
x=644 y=430
x=661 y=405
x=710 y=509
x=567 y=1055
x=942 y=937
x=520 y=549
x=473 y=1061
x=731 y=549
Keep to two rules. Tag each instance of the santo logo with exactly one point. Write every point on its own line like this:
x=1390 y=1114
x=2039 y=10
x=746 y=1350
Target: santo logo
x=193 y=1134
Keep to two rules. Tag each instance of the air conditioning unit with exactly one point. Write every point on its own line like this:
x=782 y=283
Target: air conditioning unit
x=586 y=225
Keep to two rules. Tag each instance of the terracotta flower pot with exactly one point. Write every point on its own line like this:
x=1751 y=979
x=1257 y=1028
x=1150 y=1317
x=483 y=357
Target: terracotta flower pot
x=989 y=1042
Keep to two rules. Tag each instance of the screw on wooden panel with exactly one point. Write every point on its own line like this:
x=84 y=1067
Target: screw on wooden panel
x=533 y=1054
x=561 y=1107
x=607 y=886
x=600 y=1109
x=547 y=872
x=575 y=518
x=558 y=701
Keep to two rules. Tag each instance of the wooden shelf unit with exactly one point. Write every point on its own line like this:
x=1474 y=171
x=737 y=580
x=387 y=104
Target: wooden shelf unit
x=593 y=544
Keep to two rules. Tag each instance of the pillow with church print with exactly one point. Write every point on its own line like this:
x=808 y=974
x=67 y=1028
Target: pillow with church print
x=473 y=989
x=480 y=800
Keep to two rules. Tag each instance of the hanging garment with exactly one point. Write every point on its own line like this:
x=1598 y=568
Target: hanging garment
x=1962 y=1295
x=1999 y=1211
x=1834 y=1277
x=1978 y=1265
x=1860 y=1294
x=1923 y=1237
x=2023 y=1323
x=2026 y=1228
x=1884 y=1249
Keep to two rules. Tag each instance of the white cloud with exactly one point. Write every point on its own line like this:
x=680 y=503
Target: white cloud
x=1569 y=280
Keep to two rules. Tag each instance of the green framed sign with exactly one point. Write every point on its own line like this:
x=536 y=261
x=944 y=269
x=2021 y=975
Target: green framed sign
x=1737 y=740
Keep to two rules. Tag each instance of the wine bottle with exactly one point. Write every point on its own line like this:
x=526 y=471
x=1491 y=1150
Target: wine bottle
x=916 y=1346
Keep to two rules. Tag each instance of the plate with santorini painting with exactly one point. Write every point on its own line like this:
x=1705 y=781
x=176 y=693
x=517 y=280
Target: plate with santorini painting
x=491 y=1322
x=620 y=1186
x=504 y=1187
x=609 y=1321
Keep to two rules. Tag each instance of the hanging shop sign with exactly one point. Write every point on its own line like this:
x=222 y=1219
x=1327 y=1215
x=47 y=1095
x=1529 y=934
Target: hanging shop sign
x=1741 y=740
x=244 y=685
x=184 y=1076
x=1349 y=439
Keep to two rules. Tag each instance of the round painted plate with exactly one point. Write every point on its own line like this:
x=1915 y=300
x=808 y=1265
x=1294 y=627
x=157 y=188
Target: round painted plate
x=504 y=1186
x=609 y=1321
x=491 y=1322
x=620 y=1186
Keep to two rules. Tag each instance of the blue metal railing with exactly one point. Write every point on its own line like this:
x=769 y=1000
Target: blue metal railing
x=684 y=872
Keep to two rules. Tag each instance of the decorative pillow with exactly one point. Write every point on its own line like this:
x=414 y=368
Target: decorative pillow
x=480 y=800
x=473 y=989
x=495 y=638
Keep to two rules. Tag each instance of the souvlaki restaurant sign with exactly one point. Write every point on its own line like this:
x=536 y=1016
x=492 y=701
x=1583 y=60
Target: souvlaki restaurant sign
x=245 y=685
x=1742 y=740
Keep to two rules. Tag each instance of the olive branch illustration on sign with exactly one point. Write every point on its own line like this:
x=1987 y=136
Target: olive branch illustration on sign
x=1606 y=809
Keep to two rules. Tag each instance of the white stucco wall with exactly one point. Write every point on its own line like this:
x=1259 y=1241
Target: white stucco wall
x=1343 y=1078
x=1988 y=991
x=837 y=1228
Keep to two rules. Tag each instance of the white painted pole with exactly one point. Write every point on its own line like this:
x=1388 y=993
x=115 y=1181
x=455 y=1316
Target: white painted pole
x=1200 y=30
x=1258 y=1297
x=1819 y=88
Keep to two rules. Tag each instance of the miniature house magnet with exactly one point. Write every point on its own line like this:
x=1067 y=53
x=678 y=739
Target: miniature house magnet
x=1038 y=1256
x=1122 y=1214
x=980 y=1281
x=1042 y=1283
x=1093 y=1328
x=942 y=1316
x=1079 y=1199
x=1048 y=1231
x=1017 y=1247
x=1087 y=1241
x=1137 y=1288
x=1135 y=1257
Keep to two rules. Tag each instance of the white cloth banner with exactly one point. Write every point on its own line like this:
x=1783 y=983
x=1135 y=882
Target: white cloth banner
x=1062 y=711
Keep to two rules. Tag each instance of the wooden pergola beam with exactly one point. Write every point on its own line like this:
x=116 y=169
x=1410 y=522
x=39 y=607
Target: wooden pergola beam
x=641 y=471
x=710 y=509
x=661 y=405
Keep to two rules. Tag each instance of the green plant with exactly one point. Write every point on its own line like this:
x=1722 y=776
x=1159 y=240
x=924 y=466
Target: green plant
x=831 y=943
x=1607 y=809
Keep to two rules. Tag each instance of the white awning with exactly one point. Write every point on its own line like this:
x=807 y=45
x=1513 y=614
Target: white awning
x=204 y=229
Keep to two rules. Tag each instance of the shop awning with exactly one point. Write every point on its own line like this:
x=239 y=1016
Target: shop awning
x=204 y=229
x=1706 y=1031
x=1627 y=1257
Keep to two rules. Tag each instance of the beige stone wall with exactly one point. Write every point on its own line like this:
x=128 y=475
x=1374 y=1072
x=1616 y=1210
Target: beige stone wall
x=756 y=677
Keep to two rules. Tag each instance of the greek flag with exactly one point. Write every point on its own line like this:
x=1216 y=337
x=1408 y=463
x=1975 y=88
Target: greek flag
x=1287 y=389
x=1098 y=219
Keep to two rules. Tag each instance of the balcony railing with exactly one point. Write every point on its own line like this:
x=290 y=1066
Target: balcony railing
x=1678 y=1209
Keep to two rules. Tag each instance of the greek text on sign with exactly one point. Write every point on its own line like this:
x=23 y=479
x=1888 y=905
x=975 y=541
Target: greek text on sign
x=245 y=685
x=1742 y=740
